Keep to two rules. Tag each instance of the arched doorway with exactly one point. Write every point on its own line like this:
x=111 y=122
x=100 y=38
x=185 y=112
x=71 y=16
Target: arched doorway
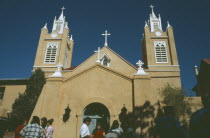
x=98 y=113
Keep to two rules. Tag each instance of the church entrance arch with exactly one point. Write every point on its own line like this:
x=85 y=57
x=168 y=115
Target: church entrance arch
x=99 y=114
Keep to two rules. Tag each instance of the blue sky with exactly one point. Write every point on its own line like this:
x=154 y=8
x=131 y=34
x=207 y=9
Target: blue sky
x=21 y=22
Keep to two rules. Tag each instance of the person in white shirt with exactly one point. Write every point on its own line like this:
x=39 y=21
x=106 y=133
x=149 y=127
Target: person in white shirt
x=84 y=131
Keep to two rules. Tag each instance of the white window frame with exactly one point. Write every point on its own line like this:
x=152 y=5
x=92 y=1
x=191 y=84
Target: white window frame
x=162 y=43
x=48 y=45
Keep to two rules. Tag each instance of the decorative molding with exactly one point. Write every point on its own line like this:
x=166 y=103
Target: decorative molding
x=53 y=38
x=158 y=37
x=163 y=65
x=163 y=70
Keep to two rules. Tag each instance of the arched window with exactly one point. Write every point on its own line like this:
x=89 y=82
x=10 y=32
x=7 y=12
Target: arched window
x=105 y=62
x=160 y=52
x=51 y=52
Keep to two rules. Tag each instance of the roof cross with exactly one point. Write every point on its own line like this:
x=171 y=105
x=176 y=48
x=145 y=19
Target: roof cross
x=99 y=50
x=106 y=34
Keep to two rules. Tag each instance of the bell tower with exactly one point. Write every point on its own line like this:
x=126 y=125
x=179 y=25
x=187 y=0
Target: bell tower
x=55 y=47
x=158 y=47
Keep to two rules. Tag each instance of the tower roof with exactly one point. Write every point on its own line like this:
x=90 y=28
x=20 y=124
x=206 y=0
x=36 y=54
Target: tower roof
x=152 y=15
x=61 y=16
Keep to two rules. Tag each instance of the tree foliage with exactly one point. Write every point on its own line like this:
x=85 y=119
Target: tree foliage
x=174 y=96
x=24 y=105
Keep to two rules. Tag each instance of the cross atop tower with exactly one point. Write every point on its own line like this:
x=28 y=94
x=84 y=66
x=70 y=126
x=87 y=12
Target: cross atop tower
x=63 y=9
x=106 y=34
x=151 y=7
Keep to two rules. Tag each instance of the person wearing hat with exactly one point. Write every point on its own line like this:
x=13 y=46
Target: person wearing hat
x=84 y=131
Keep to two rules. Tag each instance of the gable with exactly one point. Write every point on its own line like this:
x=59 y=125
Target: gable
x=117 y=63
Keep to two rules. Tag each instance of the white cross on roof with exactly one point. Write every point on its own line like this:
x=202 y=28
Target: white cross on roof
x=106 y=34
x=99 y=50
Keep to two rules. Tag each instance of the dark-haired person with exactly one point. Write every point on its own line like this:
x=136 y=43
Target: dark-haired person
x=33 y=130
x=19 y=128
x=200 y=120
x=44 y=124
x=84 y=131
x=169 y=126
x=49 y=128
x=98 y=132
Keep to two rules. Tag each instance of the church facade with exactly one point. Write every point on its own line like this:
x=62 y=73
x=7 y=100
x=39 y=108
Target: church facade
x=104 y=83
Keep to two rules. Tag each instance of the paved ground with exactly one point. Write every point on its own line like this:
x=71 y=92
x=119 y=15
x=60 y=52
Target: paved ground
x=9 y=135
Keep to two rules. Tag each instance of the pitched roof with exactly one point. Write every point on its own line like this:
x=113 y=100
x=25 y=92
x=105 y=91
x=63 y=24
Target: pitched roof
x=207 y=61
x=71 y=68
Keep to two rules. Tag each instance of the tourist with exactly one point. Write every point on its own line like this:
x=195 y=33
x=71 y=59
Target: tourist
x=98 y=132
x=169 y=126
x=49 y=128
x=115 y=131
x=33 y=130
x=84 y=131
x=44 y=124
x=200 y=120
x=19 y=128
x=116 y=127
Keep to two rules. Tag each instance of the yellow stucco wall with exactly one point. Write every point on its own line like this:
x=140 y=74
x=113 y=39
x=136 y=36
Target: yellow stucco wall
x=10 y=94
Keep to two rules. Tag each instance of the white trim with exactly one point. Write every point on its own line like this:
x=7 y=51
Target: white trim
x=44 y=66
x=162 y=70
x=163 y=65
x=160 y=37
x=164 y=43
x=53 y=38
x=48 y=45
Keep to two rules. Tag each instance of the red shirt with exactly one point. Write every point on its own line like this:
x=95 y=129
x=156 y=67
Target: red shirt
x=17 y=131
x=99 y=134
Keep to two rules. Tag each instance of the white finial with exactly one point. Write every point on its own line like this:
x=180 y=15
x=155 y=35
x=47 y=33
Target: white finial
x=140 y=69
x=106 y=34
x=98 y=59
x=196 y=70
x=66 y=25
x=146 y=25
x=58 y=71
x=168 y=24
x=71 y=38
x=45 y=26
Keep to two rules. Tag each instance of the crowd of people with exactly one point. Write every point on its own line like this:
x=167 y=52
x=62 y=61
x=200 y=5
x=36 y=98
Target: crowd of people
x=34 y=129
x=166 y=127
x=115 y=131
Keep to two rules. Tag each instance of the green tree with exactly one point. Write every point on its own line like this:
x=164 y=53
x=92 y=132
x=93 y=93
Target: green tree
x=174 y=96
x=24 y=105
